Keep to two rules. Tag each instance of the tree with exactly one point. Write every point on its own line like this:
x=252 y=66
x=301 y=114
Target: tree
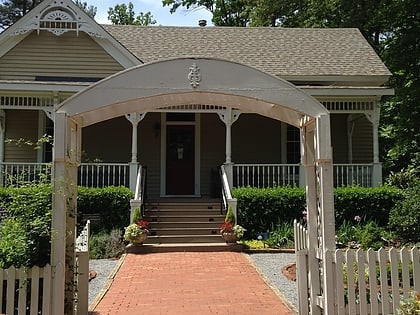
x=89 y=9
x=225 y=12
x=400 y=128
x=13 y=10
x=123 y=15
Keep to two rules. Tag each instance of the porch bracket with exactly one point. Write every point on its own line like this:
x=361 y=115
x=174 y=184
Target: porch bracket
x=229 y=116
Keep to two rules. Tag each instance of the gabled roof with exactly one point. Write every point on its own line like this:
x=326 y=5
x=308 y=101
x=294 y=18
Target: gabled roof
x=291 y=53
x=48 y=15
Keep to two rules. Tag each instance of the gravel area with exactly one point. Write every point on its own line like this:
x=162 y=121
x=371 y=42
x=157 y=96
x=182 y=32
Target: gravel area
x=268 y=264
x=103 y=269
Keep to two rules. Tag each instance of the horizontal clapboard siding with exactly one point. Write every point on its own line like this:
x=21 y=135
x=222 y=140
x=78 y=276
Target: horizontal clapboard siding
x=362 y=141
x=21 y=124
x=48 y=55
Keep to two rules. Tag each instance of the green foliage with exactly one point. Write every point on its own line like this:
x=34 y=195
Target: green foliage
x=363 y=235
x=281 y=236
x=405 y=216
x=112 y=203
x=253 y=244
x=410 y=305
x=259 y=209
x=106 y=245
x=25 y=234
x=369 y=203
x=230 y=216
x=136 y=215
x=123 y=15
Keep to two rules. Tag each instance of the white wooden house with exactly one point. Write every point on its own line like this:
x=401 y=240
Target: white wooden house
x=57 y=50
x=259 y=103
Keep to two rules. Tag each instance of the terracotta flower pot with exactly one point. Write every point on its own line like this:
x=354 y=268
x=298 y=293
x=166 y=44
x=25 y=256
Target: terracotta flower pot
x=230 y=237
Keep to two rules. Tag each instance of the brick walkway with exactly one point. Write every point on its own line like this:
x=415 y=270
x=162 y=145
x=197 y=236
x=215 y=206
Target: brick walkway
x=187 y=283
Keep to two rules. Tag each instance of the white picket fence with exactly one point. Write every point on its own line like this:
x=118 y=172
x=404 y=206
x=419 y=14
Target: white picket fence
x=28 y=290
x=365 y=282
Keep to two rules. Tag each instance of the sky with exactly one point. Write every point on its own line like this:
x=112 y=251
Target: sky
x=161 y=14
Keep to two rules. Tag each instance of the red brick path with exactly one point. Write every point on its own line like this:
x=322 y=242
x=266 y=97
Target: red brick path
x=189 y=283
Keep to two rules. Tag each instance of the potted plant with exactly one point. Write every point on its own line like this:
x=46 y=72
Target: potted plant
x=137 y=232
x=231 y=232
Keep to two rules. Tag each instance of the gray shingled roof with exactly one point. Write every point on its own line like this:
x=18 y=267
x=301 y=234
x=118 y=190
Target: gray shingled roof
x=278 y=51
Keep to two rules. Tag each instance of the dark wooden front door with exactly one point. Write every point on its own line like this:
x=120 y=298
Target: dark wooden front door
x=180 y=162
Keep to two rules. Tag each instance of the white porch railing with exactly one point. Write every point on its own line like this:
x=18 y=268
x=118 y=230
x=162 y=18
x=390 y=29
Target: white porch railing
x=17 y=173
x=103 y=174
x=89 y=174
x=265 y=175
x=365 y=282
x=117 y=174
x=353 y=174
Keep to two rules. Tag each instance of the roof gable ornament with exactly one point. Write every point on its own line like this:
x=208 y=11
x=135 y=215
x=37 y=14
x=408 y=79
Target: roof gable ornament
x=194 y=75
x=58 y=18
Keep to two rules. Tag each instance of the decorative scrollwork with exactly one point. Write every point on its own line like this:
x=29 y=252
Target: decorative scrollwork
x=194 y=75
x=58 y=15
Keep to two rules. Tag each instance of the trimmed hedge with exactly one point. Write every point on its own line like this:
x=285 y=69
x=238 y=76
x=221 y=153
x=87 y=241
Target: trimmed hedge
x=111 y=203
x=371 y=204
x=260 y=210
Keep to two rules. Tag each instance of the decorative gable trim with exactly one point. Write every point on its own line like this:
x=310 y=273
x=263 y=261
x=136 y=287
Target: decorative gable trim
x=59 y=17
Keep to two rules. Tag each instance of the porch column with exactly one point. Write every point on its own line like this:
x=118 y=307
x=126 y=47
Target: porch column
x=229 y=116
x=377 y=166
x=66 y=158
x=134 y=119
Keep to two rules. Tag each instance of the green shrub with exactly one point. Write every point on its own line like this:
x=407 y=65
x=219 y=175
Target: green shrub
x=106 y=245
x=371 y=204
x=405 y=216
x=260 y=208
x=370 y=235
x=281 y=236
x=25 y=235
x=112 y=203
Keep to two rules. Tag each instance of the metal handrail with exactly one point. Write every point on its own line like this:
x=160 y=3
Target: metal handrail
x=140 y=192
x=227 y=199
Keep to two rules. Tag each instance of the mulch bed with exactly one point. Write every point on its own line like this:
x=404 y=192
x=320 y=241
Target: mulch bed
x=289 y=271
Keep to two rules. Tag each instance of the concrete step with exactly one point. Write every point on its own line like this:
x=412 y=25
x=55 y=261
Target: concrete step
x=185 y=224
x=185 y=218
x=184 y=247
x=186 y=238
x=192 y=231
x=181 y=212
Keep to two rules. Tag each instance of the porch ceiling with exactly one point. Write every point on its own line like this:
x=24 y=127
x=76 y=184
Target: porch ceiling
x=191 y=81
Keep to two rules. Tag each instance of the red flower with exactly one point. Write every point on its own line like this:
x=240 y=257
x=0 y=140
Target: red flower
x=143 y=223
x=227 y=227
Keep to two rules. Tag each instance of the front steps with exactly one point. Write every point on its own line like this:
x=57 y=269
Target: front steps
x=184 y=222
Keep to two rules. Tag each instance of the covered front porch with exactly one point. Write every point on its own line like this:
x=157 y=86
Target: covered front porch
x=262 y=175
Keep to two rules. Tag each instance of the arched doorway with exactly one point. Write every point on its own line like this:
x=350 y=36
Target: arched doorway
x=192 y=82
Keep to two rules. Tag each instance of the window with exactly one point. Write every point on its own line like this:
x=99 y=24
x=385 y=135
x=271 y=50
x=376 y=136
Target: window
x=293 y=145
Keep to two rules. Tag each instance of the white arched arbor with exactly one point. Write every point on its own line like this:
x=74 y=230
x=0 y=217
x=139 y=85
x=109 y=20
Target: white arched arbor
x=188 y=81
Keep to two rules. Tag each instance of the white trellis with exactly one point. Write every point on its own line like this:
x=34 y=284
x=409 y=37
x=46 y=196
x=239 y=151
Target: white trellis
x=223 y=84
